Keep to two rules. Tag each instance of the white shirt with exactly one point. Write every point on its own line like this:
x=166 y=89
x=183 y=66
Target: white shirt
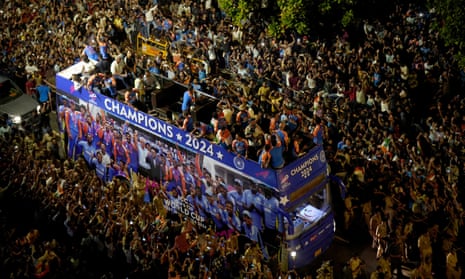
x=117 y=68
x=5 y=129
x=149 y=14
x=143 y=152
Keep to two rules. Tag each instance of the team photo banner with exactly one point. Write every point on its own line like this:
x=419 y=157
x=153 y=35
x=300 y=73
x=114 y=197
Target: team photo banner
x=166 y=131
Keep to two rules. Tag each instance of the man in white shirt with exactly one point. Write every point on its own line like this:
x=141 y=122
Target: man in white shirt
x=117 y=68
x=149 y=18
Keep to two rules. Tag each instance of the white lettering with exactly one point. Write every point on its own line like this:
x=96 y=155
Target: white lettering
x=132 y=115
x=305 y=166
x=115 y=107
x=169 y=131
x=107 y=104
x=152 y=123
x=140 y=117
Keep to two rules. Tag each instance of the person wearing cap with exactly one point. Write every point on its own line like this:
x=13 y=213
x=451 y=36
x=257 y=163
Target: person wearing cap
x=248 y=227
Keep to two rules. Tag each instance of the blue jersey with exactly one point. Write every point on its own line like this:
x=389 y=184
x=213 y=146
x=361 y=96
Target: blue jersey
x=91 y=53
x=272 y=216
x=100 y=169
x=43 y=91
x=88 y=150
x=277 y=159
x=186 y=101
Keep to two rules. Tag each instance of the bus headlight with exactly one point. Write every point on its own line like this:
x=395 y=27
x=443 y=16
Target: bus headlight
x=293 y=254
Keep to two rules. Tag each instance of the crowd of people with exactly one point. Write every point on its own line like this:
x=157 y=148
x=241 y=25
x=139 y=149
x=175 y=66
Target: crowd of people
x=388 y=110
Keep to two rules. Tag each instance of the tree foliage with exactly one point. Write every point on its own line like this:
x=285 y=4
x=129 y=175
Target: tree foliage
x=282 y=16
x=451 y=15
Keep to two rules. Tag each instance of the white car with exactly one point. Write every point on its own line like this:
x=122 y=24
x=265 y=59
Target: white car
x=19 y=106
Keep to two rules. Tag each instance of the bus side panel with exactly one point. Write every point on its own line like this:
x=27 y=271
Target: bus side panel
x=312 y=243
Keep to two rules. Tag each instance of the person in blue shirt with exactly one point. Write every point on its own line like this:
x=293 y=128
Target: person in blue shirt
x=188 y=99
x=248 y=228
x=110 y=85
x=88 y=148
x=201 y=203
x=276 y=152
x=100 y=167
x=202 y=73
x=318 y=132
x=257 y=205
x=90 y=52
x=216 y=214
x=187 y=122
x=130 y=146
x=236 y=196
x=272 y=218
x=44 y=94
x=231 y=219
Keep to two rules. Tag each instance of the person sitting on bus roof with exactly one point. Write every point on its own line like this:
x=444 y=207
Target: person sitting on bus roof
x=187 y=122
x=240 y=145
x=110 y=85
x=90 y=52
x=130 y=97
x=118 y=69
x=202 y=130
x=224 y=137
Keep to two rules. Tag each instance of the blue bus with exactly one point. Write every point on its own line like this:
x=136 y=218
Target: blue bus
x=288 y=212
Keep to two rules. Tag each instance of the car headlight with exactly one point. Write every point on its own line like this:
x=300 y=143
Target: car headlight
x=16 y=119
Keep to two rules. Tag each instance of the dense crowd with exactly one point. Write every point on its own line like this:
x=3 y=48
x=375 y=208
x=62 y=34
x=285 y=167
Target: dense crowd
x=389 y=111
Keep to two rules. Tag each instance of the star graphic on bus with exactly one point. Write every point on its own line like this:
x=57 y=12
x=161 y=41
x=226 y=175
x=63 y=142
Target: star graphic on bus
x=284 y=200
x=179 y=137
x=219 y=155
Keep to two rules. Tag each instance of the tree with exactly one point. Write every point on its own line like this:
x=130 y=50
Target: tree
x=450 y=26
x=282 y=16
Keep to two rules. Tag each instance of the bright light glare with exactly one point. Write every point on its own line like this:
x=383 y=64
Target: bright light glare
x=16 y=119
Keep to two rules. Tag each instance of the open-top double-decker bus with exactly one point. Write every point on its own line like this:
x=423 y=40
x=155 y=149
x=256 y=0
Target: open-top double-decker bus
x=288 y=212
